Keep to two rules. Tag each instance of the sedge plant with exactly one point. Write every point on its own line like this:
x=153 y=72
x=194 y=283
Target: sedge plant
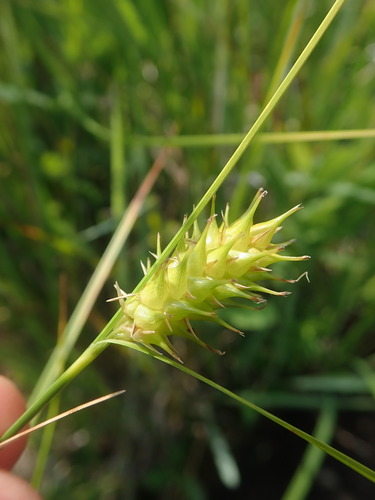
x=199 y=272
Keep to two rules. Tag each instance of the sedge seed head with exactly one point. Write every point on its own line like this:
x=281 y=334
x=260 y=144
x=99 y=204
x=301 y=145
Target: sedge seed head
x=209 y=270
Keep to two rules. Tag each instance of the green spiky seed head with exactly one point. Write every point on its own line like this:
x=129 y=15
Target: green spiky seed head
x=206 y=272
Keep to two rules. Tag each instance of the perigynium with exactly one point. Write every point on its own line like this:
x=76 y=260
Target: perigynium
x=208 y=271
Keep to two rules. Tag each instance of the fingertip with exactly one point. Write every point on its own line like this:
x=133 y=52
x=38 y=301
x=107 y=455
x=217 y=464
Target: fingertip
x=12 y=405
x=15 y=488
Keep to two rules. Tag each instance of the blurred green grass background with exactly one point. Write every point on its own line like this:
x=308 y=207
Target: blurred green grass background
x=88 y=92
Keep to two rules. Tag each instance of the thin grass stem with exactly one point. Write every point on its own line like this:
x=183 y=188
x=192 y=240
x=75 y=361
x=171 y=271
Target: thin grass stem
x=86 y=358
x=236 y=156
x=224 y=140
x=338 y=455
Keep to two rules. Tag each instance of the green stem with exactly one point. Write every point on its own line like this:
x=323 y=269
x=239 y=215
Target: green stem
x=87 y=357
x=45 y=444
x=338 y=455
x=246 y=140
x=199 y=140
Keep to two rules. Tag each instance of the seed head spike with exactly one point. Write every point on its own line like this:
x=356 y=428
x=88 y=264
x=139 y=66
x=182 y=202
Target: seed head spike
x=158 y=245
x=209 y=270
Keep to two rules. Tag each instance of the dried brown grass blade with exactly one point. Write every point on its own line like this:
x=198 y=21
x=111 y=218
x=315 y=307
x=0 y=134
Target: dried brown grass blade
x=60 y=417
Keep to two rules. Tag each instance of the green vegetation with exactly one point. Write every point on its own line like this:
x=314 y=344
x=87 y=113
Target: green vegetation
x=90 y=92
